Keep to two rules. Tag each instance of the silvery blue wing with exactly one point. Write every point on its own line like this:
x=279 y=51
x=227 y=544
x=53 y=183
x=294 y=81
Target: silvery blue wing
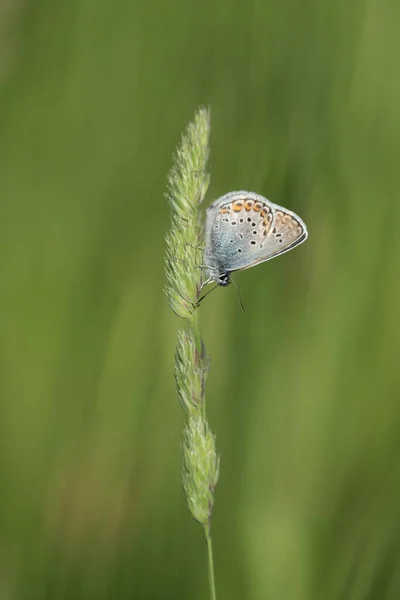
x=244 y=229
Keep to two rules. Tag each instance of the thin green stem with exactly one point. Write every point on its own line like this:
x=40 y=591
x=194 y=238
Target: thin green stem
x=211 y=576
x=196 y=329
x=195 y=325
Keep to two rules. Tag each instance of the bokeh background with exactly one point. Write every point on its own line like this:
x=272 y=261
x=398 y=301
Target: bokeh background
x=304 y=387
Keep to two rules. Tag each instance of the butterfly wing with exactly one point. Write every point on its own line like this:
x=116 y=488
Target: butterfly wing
x=286 y=232
x=245 y=229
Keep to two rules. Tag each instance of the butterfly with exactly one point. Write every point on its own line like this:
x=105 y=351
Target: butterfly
x=244 y=229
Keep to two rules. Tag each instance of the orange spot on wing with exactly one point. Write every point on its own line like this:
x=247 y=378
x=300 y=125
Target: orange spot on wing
x=223 y=210
x=248 y=205
x=267 y=220
x=257 y=207
x=237 y=207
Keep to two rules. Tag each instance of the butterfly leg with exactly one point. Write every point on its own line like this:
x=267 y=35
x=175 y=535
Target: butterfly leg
x=202 y=248
x=206 y=282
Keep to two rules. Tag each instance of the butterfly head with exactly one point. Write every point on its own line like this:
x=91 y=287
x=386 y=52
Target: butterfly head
x=224 y=279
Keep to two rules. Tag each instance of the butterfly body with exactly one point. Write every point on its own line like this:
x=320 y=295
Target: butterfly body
x=244 y=229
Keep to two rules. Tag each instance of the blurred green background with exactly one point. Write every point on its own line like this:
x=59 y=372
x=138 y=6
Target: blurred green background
x=303 y=392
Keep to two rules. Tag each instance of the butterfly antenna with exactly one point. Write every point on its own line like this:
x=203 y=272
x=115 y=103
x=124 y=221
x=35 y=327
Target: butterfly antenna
x=206 y=294
x=238 y=295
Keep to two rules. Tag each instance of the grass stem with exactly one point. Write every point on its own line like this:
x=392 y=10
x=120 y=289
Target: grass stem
x=211 y=575
x=187 y=186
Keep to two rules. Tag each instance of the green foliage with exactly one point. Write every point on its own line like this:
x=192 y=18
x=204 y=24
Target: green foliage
x=304 y=387
x=187 y=184
x=191 y=370
x=200 y=468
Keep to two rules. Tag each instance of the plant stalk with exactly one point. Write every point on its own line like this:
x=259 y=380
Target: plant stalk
x=211 y=575
x=187 y=184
